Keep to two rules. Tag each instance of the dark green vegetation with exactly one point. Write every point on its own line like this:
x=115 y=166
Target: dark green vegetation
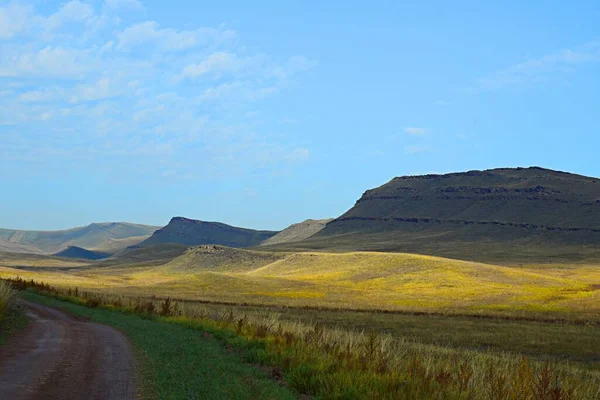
x=11 y=321
x=296 y=232
x=178 y=362
x=191 y=232
x=492 y=215
x=78 y=252
x=99 y=236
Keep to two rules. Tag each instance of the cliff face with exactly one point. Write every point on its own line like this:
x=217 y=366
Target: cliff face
x=527 y=204
x=530 y=198
x=192 y=232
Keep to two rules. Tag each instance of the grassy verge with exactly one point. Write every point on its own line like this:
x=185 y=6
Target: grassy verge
x=335 y=363
x=12 y=318
x=178 y=362
x=11 y=321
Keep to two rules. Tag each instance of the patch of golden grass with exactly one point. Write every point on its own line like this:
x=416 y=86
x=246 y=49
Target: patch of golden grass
x=359 y=280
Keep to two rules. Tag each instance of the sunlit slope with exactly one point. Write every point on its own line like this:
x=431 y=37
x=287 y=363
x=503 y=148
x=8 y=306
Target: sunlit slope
x=359 y=280
x=409 y=280
x=220 y=258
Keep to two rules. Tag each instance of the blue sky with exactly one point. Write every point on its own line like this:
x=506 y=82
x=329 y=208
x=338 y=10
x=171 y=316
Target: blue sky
x=264 y=113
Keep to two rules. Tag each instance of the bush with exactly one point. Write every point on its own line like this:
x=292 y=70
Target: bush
x=7 y=294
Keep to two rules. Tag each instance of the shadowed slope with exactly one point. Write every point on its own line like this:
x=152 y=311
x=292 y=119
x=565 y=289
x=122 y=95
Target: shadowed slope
x=192 y=232
x=500 y=214
x=79 y=252
x=297 y=232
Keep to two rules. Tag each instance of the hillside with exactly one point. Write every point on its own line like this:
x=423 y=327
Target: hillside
x=79 y=252
x=92 y=236
x=522 y=213
x=220 y=258
x=192 y=232
x=297 y=232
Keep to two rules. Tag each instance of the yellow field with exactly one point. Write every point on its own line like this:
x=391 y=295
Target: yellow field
x=359 y=280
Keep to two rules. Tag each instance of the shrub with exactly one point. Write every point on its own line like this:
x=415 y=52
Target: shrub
x=7 y=293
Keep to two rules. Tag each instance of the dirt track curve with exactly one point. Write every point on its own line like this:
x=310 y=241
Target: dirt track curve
x=60 y=357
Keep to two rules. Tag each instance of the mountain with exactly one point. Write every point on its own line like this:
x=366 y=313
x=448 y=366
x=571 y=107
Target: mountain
x=79 y=252
x=91 y=236
x=500 y=214
x=297 y=232
x=192 y=232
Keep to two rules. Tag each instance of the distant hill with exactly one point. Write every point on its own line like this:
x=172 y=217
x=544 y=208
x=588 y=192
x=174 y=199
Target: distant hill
x=297 y=232
x=192 y=232
x=498 y=214
x=210 y=257
x=154 y=254
x=78 y=252
x=91 y=236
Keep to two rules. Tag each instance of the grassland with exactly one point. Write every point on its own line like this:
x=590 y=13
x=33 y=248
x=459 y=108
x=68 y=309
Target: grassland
x=443 y=312
x=179 y=363
x=333 y=363
x=358 y=280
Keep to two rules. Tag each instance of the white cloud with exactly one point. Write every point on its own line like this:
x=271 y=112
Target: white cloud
x=216 y=62
x=73 y=11
x=100 y=93
x=42 y=95
x=238 y=91
x=119 y=4
x=535 y=69
x=49 y=61
x=14 y=19
x=415 y=131
x=171 y=39
x=104 y=88
x=416 y=149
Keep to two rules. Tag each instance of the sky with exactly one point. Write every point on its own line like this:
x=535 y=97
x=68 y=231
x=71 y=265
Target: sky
x=265 y=113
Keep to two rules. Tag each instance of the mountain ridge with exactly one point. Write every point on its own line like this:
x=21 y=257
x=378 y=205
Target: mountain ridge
x=191 y=232
x=532 y=212
x=89 y=236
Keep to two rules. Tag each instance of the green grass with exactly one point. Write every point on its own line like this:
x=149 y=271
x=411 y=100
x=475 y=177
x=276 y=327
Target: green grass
x=333 y=363
x=178 y=362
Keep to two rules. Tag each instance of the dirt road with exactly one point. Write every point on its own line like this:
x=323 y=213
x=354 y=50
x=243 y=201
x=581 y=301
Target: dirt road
x=60 y=357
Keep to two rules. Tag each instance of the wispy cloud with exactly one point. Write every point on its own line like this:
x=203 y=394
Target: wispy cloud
x=142 y=94
x=415 y=131
x=416 y=149
x=537 y=69
x=14 y=19
x=169 y=39
x=123 y=4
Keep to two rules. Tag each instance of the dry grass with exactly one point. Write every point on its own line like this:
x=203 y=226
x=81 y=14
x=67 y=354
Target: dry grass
x=360 y=280
x=329 y=362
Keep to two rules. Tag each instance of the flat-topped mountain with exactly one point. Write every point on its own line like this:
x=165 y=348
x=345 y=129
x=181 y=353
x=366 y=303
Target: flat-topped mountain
x=96 y=235
x=296 y=232
x=192 y=232
x=536 y=210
